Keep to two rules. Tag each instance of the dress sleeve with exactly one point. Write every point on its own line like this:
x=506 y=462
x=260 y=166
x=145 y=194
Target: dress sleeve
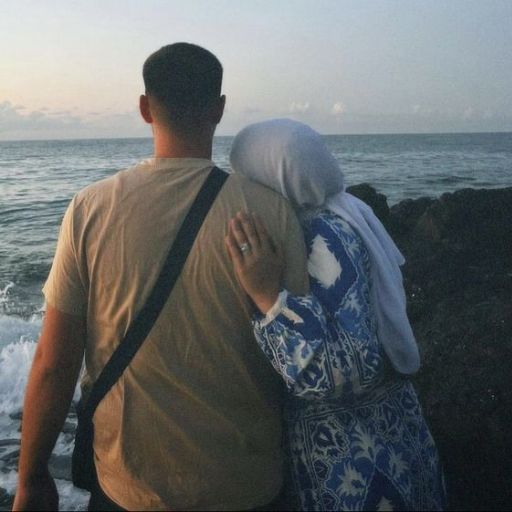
x=294 y=335
x=323 y=344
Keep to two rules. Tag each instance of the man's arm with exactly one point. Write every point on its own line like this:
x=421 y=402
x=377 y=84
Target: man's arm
x=48 y=396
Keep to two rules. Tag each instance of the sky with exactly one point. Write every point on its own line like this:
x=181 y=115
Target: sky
x=72 y=69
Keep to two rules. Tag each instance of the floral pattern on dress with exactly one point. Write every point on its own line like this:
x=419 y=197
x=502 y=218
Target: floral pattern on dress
x=356 y=436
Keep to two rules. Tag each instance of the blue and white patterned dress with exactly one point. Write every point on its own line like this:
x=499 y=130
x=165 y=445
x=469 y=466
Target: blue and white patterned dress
x=357 y=439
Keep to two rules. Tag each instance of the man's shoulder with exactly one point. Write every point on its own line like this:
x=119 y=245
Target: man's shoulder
x=275 y=210
x=100 y=191
x=242 y=185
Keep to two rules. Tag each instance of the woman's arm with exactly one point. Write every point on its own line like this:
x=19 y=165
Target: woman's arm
x=296 y=338
x=291 y=330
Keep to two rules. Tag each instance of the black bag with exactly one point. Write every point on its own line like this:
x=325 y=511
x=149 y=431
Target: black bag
x=82 y=463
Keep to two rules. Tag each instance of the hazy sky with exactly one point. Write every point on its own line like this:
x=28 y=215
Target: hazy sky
x=73 y=68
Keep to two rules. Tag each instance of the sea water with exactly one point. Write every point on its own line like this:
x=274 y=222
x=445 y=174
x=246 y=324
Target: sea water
x=38 y=179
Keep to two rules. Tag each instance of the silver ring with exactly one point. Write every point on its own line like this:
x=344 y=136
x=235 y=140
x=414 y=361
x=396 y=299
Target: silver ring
x=245 y=248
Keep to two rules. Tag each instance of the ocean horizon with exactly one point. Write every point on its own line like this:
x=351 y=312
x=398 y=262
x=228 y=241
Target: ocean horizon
x=372 y=134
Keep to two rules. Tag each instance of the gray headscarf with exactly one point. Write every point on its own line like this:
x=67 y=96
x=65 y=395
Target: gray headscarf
x=276 y=153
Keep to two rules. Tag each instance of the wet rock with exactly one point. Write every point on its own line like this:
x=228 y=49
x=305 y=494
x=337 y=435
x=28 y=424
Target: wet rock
x=376 y=200
x=405 y=214
x=10 y=458
x=60 y=467
x=458 y=278
x=9 y=442
x=69 y=427
x=6 y=500
x=477 y=220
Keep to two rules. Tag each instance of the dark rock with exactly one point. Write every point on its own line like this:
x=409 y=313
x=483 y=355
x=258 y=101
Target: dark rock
x=477 y=220
x=405 y=215
x=9 y=442
x=16 y=415
x=72 y=410
x=370 y=196
x=458 y=279
x=10 y=457
x=60 y=467
x=6 y=500
x=69 y=427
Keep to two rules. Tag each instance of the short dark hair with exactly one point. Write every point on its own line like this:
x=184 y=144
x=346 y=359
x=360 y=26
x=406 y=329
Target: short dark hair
x=185 y=79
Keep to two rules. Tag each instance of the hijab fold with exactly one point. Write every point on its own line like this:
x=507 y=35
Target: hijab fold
x=291 y=158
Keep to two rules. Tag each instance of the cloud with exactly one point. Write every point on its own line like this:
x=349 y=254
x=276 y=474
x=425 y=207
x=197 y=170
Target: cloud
x=422 y=110
x=487 y=114
x=47 y=124
x=452 y=113
x=252 y=111
x=60 y=113
x=299 y=108
x=468 y=113
x=12 y=120
x=6 y=105
x=338 y=108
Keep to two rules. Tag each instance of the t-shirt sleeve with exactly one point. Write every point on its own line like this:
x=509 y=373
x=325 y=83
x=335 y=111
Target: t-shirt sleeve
x=65 y=288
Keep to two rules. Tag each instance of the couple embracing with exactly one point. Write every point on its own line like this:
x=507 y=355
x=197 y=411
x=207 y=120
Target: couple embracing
x=275 y=374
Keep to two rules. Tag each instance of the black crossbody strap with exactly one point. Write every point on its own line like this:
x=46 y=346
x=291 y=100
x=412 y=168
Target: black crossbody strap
x=146 y=318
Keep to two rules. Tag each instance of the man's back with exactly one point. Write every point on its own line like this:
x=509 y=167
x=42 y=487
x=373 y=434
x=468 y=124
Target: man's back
x=194 y=423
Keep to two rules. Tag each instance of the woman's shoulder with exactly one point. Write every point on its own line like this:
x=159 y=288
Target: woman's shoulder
x=331 y=238
x=329 y=225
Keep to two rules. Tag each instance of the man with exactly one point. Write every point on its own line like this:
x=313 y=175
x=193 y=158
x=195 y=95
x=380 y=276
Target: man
x=194 y=422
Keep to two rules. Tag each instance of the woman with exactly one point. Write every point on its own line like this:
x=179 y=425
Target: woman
x=356 y=436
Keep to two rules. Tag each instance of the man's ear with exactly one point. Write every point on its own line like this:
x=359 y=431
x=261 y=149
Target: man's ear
x=218 y=110
x=145 y=111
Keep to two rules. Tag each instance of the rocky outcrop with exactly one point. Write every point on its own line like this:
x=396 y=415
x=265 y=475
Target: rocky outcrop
x=458 y=279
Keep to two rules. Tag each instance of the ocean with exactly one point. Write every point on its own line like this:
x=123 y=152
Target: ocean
x=38 y=179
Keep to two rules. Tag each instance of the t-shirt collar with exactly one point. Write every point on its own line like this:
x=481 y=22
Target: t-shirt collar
x=172 y=163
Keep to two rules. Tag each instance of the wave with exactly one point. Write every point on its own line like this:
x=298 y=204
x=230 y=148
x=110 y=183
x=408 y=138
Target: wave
x=16 y=329
x=22 y=301
x=17 y=348
x=17 y=343
x=15 y=362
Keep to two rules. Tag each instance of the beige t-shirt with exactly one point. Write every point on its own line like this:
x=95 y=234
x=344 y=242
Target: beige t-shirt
x=194 y=422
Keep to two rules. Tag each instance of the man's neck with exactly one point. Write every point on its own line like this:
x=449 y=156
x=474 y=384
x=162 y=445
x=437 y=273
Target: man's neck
x=167 y=145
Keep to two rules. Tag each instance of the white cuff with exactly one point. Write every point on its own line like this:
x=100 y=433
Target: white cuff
x=280 y=308
x=276 y=309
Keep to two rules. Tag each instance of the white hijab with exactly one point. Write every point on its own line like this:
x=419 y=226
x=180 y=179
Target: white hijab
x=292 y=159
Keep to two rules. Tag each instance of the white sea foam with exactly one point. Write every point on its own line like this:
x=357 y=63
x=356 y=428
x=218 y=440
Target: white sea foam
x=70 y=497
x=15 y=361
x=4 y=292
x=14 y=329
x=8 y=481
x=17 y=347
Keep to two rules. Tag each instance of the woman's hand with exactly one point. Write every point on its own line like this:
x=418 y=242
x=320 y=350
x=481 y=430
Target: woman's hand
x=258 y=263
